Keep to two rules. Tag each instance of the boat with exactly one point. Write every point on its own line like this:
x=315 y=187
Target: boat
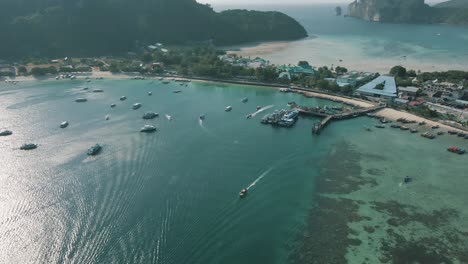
x=150 y=115
x=259 y=107
x=440 y=133
x=136 y=106
x=94 y=150
x=81 y=100
x=177 y=91
x=428 y=135
x=451 y=132
x=123 y=98
x=4 y=133
x=249 y=116
x=414 y=130
x=466 y=137
x=461 y=134
x=166 y=82
x=435 y=127
x=148 y=129
x=107 y=117
x=245 y=100
x=202 y=117
x=228 y=108
x=384 y=121
x=112 y=105
x=243 y=193
x=168 y=117
x=407 y=179
x=404 y=128
x=379 y=126
x=85 y=88
x=456 y=150
x=150 y=93
x=368 y=129
x=395 y=126
x=29 y=146
x=64 y=124
x=98 y=90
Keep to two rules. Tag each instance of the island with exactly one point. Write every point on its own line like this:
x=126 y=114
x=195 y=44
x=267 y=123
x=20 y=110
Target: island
x=88 y=27
x=409 y=11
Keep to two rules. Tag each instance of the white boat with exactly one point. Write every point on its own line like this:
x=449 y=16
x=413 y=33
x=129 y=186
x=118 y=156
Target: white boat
x=161 y=78
x=168 y=117
x=136 y=106
x=228 y=108
x=107 y=117
x=4 y=133
x=148 y=129
x=64 y=124
x=150 y=115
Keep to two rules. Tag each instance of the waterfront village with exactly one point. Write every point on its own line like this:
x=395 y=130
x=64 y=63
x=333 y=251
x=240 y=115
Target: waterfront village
x=439 y=96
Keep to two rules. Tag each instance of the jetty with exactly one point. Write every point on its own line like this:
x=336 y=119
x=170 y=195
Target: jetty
x=328 y=116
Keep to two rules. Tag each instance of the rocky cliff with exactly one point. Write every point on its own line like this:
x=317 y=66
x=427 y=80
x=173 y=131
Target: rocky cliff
x=397 y=11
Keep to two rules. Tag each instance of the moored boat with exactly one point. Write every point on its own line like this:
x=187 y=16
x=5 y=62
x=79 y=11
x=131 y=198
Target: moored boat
x=150 y=93
x=379 y=126
x=123 y=98
x=428 y=135
x=4 y=133
x=245 y=100
x=64 y=124
x=29 y=146
x=112 y=105
x=148 y=129
x=414 y=130
x=395 y=126
x=435 y=127
x=81 y=100
x=456 y=150
x=177 y=91
x=98 y=90
x=404 y=128
x=136 y=106
x=150 y=115
x=94 y=150
x=440 y=133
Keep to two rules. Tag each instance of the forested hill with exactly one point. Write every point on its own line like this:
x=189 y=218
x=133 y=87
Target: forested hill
x=97 y=27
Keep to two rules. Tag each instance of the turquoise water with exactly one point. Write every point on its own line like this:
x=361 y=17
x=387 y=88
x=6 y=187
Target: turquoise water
x=171 y=196
x=367 y=46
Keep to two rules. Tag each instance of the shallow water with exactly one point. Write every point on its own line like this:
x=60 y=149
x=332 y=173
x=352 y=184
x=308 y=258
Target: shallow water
x=172 y=196
x=366 y=46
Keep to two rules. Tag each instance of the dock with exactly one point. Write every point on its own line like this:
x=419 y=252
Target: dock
x=327 y=118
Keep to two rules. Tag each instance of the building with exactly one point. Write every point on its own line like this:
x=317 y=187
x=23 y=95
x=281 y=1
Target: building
x=294 y=71
x=408 y=91
x=353 y=78
x=381 y=87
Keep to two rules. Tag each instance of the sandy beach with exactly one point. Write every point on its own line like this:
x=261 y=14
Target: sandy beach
x=393 y=115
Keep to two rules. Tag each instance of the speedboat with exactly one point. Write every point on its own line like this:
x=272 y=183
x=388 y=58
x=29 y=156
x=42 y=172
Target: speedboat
x=150 y=93
x=150 y=115
x=29 y=146
x=64 y=124
x=259 y=107
x=81 y=100
x=245 y=100
x=177 y=91
x=202 y=117
x=123 y=98
x=136 y=106
x=113 y=105
x=107 y=117
x=4 y=133
x=168 y=117
x=94 y=150
x=148 y=129
x=407 y=179
x=228 y=108
x=243 y=193
x=98 y=90
x=249 y=116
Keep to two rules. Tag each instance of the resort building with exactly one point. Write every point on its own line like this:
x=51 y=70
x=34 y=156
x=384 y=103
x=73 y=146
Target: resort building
x=383 y=87
x=294 y=71
x=244 y=62
x=354 y=78
x=408 y=91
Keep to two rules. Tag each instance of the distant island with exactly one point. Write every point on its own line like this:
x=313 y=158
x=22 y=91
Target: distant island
x=89 y=27
x=410 y=11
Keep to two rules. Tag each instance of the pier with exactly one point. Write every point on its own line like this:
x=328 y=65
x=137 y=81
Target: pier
x=327 y=118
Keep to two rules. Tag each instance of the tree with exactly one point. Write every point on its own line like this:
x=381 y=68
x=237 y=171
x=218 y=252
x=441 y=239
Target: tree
x=147 y=57
x=114 y=68
x=303 y=64
x=398 y=71
x=340 y=70
x=22 y=70
x=323 y=84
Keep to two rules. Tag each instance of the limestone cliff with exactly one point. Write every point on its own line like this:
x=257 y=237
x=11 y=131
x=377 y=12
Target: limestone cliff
x=398 y=11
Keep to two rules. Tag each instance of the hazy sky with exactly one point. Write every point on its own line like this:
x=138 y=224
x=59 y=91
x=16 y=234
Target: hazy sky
x=214 y=2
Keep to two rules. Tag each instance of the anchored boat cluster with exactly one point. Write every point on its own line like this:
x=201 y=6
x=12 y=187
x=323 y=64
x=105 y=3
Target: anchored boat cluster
x=282 y=118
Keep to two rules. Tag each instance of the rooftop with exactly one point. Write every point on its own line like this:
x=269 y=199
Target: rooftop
x=389 y=89
x=409 y=89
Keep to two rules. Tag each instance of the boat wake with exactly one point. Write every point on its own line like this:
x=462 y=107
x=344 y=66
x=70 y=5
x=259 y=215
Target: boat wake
x=168 y=117
x=259 y=178
x=262 y=109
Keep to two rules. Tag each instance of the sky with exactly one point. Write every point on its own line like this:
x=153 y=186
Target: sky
x=247 y=2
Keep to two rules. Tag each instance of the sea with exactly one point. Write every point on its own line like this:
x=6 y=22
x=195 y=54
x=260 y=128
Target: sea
x=173 y=196
x=361 y=45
